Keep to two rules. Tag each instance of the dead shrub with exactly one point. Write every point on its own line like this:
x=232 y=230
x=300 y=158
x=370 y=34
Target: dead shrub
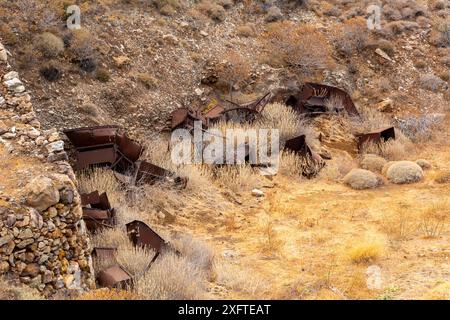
x=247 y=30
x=49 y=45
x=212 y=10
x=102 y=75
x=233 y=70
x=434 y=219
x=297 y=46
x=431 y=82
x=147 y=80
x=82 y=45
x=352 y=36
x=372 y=162
x=398 y=225
x=402 y=172
x=365 y=251
x=360 y=179
x=172 y=277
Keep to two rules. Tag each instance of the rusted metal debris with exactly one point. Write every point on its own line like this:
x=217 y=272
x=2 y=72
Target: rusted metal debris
x=89 y=198
x=375 y=137
x=315 y=99
x=247 y=112
x=115 y=277
x=104 y=145
x=96 y=218
x=312 y=162
x=104 y=253
x=143 y=236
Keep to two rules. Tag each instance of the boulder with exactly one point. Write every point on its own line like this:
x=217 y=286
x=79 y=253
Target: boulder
x=41 y=193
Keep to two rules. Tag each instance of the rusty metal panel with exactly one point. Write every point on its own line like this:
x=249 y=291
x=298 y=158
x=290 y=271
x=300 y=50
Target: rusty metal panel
x=143 y=236
x=298 y=145
x=324 y=92
x=115 y=277
x=376 y=137
x=102 y=203
x=148 y=173
x=89 y=198
x=104 y=156
x=179 y=116
x=129 y=148
x=96 y=218
x=92 y=136
x=104 y=253
x=214 y=114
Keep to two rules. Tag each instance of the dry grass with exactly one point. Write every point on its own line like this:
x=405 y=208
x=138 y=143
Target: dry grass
x=365 y=251
x=352 y=36
x=49 y=45
x=108 y=294
x=399 y=224
x=240 y=280
x=440 y=292
x=297 y=46
x=399 y=149
x=289 y=123
x=434 y=219
x=172 y=277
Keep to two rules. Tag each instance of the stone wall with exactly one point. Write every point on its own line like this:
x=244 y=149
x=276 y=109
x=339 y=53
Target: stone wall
x=43 y=240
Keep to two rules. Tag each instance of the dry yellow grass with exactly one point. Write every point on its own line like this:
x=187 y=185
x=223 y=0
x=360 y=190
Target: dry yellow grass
x=365 y=251
x=439 y=292
x=435 y=218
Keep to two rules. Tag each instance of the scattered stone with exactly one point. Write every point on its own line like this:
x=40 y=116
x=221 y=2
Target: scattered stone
x=55 y=146
x=4 y=267
x=31 y=270
x=257 y=193
x=121 y=61
x=33 y=133
x=404 y=172
x=204 y=33
x=383 y=54
x=4 y=240
x=3 y=54
x=362 y=179
x=385 y=105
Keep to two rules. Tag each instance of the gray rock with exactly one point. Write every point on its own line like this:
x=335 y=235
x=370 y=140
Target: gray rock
x=55 y=146
x=41 y=193
x=4 y=240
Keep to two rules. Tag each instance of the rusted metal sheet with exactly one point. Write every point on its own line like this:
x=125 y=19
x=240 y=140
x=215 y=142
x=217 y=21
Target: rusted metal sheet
x=298 y=145
x=376 y=137
x=185 y=118
x=105 y=146
x=258 y=105
x=102 y=203
x=148 y=173
x=96 y=219
x=115 y=277
x=129 y=148
x=104 y=253
x=312 y=162
x=92 y=136
x=314 y=97
x=89 y=198
x=143 y=236
x=101 y=156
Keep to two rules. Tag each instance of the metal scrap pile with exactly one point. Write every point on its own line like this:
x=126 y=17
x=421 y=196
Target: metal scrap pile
x=310 y=100
x=108 y=146
x=142 y=236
